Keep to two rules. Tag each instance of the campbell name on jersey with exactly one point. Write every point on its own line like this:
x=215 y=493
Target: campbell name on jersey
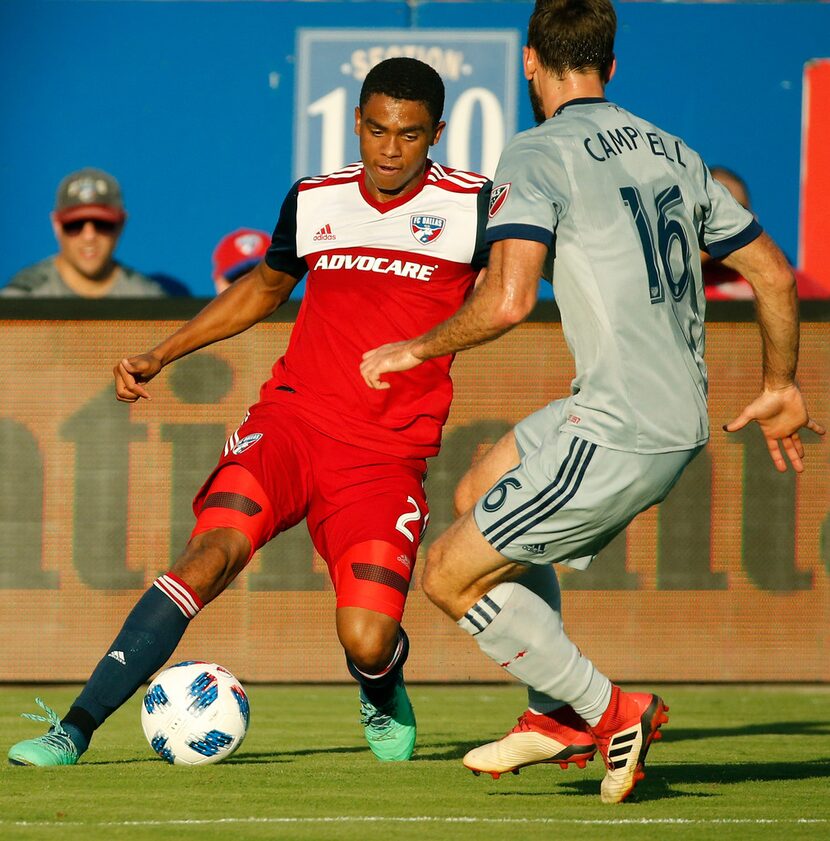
x=377 y=273
x=624 y=208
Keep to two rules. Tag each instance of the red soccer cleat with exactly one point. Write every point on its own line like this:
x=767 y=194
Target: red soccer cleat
x=623 y=736
x=560 y=738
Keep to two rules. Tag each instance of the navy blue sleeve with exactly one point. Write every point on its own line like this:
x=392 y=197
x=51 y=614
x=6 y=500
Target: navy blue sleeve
x=482 y=247
x=518 y=230
x=733 y=243
x=282 y=253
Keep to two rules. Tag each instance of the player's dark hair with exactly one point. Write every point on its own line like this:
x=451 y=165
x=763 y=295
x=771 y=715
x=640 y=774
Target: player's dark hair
x=573 y=35
x=406 y=78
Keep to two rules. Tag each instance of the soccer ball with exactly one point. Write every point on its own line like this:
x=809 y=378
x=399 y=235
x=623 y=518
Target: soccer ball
x=195 y=713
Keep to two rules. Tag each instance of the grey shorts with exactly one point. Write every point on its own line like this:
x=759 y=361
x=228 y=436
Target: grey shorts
x=568 y=497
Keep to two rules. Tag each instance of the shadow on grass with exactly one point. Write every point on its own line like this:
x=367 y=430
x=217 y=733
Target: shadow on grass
x=245 y=757
x=766 y=728
x=715 y=773
x=661 y=779
x=135 y=761
x=260 y=757
x=442 y=751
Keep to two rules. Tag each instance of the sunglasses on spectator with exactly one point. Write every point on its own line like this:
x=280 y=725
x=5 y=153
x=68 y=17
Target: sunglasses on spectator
x=101 y=226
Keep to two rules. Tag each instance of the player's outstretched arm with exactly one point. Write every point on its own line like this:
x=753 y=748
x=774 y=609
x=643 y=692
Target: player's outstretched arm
x=779 y=410
x=503 y=297
x=243 y=304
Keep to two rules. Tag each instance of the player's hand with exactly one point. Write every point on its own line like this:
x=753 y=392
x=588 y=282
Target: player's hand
x=131 y=373
x=387 y=359
x=780 y=413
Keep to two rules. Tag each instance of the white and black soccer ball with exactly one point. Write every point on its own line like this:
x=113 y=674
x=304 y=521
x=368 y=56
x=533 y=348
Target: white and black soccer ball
x=195 y=713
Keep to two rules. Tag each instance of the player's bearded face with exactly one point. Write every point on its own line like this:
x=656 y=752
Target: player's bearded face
x=536 y=103
x=395 y=136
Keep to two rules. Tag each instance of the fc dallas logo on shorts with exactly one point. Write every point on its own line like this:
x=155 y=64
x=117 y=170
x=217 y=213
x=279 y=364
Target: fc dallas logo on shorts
x=426 y=228
x=497 y=199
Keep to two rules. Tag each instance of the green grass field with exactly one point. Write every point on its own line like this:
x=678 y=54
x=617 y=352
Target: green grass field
x=736 y=762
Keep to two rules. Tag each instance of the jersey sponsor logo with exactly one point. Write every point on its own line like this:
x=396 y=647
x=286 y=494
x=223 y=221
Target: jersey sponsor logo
x=426 y=229
x=324 y=233
x=574 y=419
x=497 y=199
x=246 y=443
x=381 y=265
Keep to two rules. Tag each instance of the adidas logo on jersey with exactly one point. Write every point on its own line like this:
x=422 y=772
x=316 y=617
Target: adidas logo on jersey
x=324 y=234
x=118 y=656
x=535 y=548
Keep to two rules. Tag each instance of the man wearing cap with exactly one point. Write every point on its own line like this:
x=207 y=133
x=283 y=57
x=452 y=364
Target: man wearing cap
x=87 y=220
x=236 y=254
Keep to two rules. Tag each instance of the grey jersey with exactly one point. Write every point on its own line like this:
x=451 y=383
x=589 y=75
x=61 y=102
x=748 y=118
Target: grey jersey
x=43 y=280
x=624 y=208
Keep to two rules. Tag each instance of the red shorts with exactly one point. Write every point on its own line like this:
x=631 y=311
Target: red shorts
x=365 y=511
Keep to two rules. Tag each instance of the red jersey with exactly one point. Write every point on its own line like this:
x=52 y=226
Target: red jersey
x=724 y=284
x=377 y=273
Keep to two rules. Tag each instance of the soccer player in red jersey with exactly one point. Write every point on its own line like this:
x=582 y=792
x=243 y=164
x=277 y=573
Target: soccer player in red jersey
x=392 y=247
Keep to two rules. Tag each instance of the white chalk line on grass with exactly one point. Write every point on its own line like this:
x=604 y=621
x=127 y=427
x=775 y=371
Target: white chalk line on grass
x=425 y=819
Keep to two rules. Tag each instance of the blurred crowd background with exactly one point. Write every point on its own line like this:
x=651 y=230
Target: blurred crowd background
x=182 y=124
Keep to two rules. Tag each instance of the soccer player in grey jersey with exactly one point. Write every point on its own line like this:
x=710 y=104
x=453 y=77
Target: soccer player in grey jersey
x=612 y=209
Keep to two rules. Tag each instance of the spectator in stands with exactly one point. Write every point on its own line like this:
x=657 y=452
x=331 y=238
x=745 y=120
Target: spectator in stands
x=236 y=254
x=723 y=284
x=87 y=220
x=734 y=183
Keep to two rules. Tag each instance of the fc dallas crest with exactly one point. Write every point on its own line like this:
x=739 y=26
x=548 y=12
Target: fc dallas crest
x=497 y=199
x=426 y=228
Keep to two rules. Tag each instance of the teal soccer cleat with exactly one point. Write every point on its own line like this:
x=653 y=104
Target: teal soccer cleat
x=390 y=729
x=53 y=748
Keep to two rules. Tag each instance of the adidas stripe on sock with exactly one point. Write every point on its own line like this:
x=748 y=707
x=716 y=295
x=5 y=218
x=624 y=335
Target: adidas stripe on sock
x=144 y=644
x=525 y=636
x=184 y=597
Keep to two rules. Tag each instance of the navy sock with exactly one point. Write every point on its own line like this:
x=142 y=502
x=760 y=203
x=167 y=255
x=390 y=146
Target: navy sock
x=80 y=726
x=379 y=689
x=145 y=643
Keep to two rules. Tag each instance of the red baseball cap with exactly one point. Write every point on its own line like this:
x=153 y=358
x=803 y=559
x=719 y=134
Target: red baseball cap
x=89 y=194
x=238 y=252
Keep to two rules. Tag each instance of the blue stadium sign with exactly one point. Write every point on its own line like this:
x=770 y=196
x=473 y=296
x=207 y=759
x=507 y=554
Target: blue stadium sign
x=479 y=69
